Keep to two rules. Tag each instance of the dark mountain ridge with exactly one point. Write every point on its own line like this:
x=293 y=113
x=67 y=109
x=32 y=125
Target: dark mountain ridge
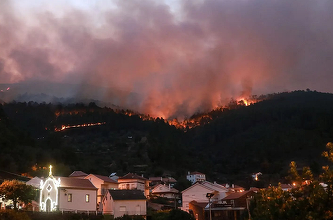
x=237 y=140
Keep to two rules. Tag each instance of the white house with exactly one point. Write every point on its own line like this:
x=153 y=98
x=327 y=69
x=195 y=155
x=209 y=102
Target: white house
x=196 y=177
x=166 y=191
x=124 y=202
x=67 y=194
x=198 y=192
x=102 y=183
x=134 y=181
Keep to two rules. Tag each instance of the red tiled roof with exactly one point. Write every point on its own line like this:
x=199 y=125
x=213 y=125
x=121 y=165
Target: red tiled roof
x=169 y=180
x=172 y=190
x=254 y=189
x=132 y=176
x=105 y=178
x=155 y=178
x=237 y=187
x=166 y=189
x=78 y=173
x=163 y=179
x=236 y=195
x=67 y=182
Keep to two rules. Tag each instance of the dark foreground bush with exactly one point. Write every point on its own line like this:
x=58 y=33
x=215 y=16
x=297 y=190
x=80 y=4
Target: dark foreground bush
x=22 y=215
x=129 y=217
x=13 y=215
x=175 y=214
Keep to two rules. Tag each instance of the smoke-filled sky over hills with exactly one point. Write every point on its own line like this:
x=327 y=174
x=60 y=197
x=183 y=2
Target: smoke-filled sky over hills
x=177 y=57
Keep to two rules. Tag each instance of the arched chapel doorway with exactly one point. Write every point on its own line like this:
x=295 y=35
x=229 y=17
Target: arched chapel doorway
x=48 y=205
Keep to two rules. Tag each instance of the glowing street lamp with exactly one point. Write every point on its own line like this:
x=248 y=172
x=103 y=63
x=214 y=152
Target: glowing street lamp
x=209 y=196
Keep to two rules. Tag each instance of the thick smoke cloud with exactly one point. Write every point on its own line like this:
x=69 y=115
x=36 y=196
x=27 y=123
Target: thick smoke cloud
x=166 y=62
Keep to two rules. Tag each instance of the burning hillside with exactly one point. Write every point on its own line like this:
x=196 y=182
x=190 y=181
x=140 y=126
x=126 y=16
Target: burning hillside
x=64 y=127
x=194 y=121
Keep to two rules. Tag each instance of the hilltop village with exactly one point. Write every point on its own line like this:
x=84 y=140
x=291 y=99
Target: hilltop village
x=110 y=163
x=133 y=194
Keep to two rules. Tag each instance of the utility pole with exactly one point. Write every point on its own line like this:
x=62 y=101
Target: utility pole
x=248 y=207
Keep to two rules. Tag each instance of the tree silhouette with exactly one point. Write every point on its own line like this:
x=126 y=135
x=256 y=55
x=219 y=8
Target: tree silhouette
x=17 y=191
x=310 y=198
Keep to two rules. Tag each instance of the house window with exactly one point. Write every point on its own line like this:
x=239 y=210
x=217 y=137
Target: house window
x=69 y=197
x=122 y=208
x=87 y=197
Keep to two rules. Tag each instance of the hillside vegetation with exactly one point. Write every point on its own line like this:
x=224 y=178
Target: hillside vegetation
x=237 y=141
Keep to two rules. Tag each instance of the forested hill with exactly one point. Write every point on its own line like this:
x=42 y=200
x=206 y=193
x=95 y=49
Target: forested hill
x=266 y=136
x=238 y=141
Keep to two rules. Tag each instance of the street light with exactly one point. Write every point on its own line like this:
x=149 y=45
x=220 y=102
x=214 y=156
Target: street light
x=209 y=196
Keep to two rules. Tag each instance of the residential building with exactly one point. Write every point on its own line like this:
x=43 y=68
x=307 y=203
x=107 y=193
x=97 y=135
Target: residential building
x=67 y=194
x=102 y=183
x=196 y=177
x=231 y=207
x=134 y=181
x=198 y=192
x=35 y=182
x=78 y=195
x=124 y=202
x=153 y=181
x=166 y=191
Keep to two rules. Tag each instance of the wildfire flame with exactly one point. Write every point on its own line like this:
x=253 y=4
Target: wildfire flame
x=194 y=121
x=246 y=101
x=64 y=127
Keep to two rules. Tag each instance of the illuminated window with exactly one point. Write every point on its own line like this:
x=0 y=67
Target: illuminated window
x=69 y=197
x=87 y=197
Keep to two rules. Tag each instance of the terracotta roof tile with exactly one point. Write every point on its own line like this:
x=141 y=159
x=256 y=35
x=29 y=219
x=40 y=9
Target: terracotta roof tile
x=132 y=176
x=67 y=182
x=236 y=195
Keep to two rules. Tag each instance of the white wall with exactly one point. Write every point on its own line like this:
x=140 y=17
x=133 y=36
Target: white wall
x=132 y=207
x=78 y=200
x=98 y=183
x=51 y=195
x=197 y=193
x=121 y=207
x=134 y=184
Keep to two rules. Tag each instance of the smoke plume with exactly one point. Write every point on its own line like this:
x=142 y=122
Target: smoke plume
x=169 y=59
